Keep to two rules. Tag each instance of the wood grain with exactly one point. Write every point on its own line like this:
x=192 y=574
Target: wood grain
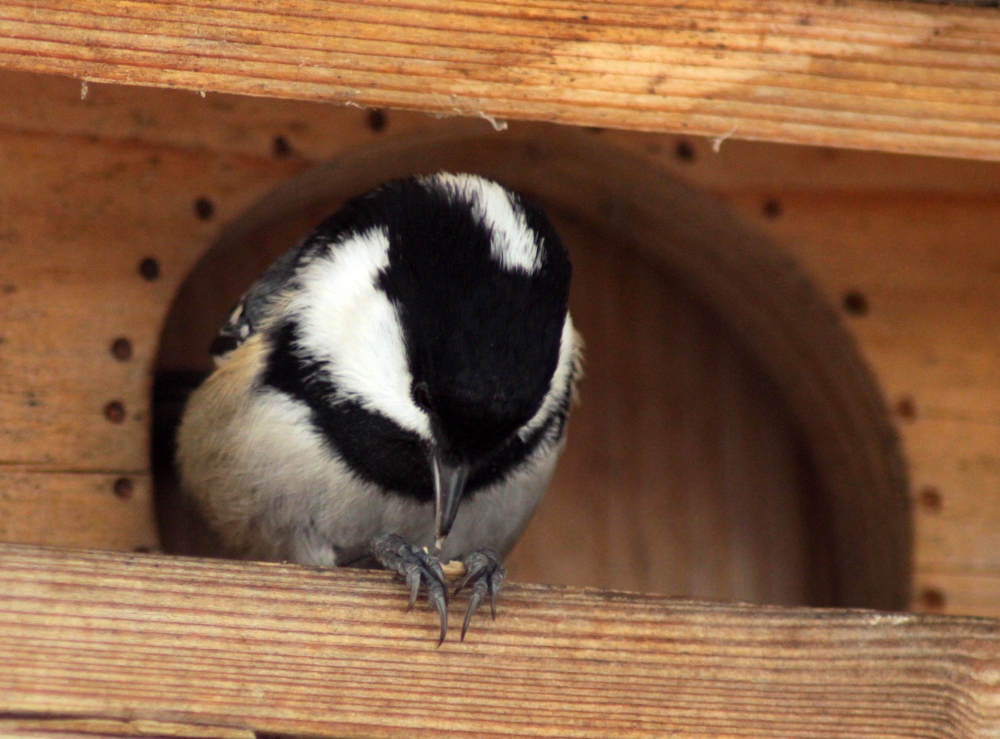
x=928 y=267
x=77 y=218
x=249 y=126
x=294 y=651
x=75 y=509
x=941 y=589
x=956 y=476
x=902 y=77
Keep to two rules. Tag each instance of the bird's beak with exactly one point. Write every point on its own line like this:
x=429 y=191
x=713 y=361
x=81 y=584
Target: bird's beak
x=449 y=484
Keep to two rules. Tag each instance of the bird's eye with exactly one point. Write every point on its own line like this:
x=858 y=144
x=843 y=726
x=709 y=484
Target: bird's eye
x=422 y=396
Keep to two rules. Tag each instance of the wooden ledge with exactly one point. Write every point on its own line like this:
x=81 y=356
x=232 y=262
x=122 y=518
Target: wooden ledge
x=109 y=644
x=896 y=76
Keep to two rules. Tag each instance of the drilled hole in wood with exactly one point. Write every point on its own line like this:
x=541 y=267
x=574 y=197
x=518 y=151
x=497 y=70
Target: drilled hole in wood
x=930 y=499
x=772 y=208
x=281 y=148
x=855 y=302
x=906 y=408
x=115 y=411
x=121 y=349
x=124 y=488
x=932 y=599
x=149 y=268
x=377 y=120
x=204 y=209
x=684 y=151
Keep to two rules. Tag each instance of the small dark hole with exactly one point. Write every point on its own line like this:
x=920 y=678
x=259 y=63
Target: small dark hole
x=115 y=411
x=684 y=151
x=930 y=499
x=932 y=599
x=856 y=303
x=204 y=209
x=142 y=550
x=772 y=208
x=376 y=120
x=121 y=349
x=123 y=488
x=281 y=148
x=906 y=407
x=149 y=268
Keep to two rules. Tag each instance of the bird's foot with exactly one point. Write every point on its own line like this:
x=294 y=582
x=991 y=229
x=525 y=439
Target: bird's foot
x=486 y=574
x=415 y=566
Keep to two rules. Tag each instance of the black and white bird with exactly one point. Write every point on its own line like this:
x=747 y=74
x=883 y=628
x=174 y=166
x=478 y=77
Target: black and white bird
x=394 y=388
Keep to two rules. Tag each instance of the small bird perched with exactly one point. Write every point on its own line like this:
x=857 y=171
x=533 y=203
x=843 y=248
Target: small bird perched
x=398 y=380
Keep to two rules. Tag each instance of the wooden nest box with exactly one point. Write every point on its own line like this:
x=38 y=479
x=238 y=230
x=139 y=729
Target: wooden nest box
x=784 y=224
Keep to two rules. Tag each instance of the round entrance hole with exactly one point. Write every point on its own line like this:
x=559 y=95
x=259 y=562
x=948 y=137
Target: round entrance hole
x=730 y=442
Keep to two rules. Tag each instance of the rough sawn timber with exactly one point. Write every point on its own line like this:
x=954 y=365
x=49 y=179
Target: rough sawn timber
x=894 y=76
x=288 y=650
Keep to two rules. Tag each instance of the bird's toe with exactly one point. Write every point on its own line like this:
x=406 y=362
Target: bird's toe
x=485 y=574
x=417 y=567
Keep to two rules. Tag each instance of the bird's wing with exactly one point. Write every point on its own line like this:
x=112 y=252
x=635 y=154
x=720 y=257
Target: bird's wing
x=259 y=301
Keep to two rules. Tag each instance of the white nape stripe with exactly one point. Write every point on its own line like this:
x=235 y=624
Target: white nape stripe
x=353 y=326
x=512 y=243
x=560 y=384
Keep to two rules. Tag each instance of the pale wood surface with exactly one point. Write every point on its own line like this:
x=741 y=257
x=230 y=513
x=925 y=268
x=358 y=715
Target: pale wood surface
x=77 y=510
x=292 y=651
x=905 y=230
x=894 y=76
x=947 y=590
x=929 y=267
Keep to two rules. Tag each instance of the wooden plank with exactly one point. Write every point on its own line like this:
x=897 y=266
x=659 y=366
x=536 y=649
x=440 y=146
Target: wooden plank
x=296 y=651
x=63 y=728
x=927 y=268
x=945 y=590
x=64 y=202
x=955 y=469
x=100 y=511
x=314 y=132
x=896 y=76
x=756 y=170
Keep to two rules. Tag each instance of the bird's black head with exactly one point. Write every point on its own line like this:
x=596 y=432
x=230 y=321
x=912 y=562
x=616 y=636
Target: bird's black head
x=478 y=281
x=481 y=283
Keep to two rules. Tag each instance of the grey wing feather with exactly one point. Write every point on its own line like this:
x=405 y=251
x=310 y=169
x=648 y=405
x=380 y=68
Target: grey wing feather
x=256 y=304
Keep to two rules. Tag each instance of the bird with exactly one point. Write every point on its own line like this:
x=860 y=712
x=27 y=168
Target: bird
x=393 y=391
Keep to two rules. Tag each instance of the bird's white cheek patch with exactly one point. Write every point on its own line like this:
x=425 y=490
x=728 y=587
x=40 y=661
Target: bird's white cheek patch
x=347 y=321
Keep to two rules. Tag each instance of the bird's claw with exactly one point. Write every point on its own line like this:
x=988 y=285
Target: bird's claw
x=486 y=573
x=415 y=566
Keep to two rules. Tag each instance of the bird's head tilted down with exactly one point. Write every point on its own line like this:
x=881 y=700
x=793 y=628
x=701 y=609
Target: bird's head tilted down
x=425 y=326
